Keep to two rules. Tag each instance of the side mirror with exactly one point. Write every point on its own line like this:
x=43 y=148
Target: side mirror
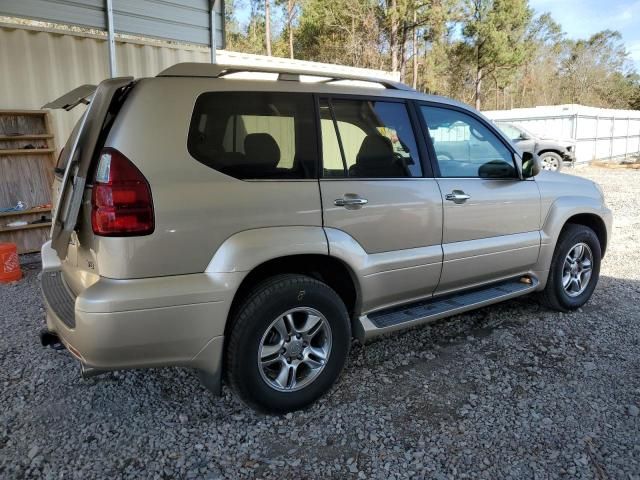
x=524 y=136
x=531 y=165
x=496 y=169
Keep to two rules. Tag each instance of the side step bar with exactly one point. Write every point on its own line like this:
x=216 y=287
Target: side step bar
x=424 y=311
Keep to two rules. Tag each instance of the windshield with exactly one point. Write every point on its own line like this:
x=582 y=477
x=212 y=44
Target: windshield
x=515 y=132
x=529 y=133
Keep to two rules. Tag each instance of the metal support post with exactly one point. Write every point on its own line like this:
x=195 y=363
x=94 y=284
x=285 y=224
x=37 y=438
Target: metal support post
x=113 y=70
x=212 y=26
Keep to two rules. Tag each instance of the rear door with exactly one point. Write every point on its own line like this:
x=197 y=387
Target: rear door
x=375 y=191
x=491 y=216
x=78 y=157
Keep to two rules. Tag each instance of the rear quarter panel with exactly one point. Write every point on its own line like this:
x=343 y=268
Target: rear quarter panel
x=196 y=208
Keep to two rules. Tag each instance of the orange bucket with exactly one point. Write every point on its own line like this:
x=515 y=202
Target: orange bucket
x=9 y=263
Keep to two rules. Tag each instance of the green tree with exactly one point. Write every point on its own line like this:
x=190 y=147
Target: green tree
x=340 y=31
x=494 y=33
x=472 y=50
x=597 y=71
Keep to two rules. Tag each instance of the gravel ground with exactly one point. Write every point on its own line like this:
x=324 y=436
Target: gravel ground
x=510 y=391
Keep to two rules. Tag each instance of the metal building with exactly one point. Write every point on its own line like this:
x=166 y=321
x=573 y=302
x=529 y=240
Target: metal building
x=199 y=22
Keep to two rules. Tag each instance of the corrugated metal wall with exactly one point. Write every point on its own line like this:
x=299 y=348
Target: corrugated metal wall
x=37 y=66
x=181 y=20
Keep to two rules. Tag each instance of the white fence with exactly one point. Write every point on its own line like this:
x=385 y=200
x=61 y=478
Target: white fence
x=598 y=133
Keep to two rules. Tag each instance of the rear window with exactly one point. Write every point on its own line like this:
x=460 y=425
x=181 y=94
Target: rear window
x=255 y=135
x=63 y=158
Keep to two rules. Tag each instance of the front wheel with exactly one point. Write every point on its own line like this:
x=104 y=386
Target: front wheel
x=288 y=343
x=551 y=161
x=575 y=269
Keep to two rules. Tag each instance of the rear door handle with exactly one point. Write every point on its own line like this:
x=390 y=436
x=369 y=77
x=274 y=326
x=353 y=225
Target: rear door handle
x=457 y=196
x=350 y=202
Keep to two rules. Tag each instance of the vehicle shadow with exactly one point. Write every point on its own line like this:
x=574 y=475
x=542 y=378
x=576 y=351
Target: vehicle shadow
x=432 y=344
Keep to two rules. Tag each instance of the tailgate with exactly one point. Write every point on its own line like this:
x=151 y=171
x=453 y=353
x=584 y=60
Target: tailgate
x=93 y=126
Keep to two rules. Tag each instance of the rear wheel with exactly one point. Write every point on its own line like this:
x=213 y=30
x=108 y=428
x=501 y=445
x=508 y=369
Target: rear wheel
x=575 y=269
x=551 y=161
x=288 y=343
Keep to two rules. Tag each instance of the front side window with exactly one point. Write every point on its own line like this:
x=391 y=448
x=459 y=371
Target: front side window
x=465 y=147
x=510 y=131
x=367 y=139
x=255 y=135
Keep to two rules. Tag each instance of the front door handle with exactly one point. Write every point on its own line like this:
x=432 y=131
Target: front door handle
x=350 y=202
x=457 y=196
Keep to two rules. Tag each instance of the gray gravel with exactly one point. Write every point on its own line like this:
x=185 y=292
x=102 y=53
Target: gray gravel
x=511 y=391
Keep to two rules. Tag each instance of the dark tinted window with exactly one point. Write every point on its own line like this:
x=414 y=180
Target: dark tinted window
x=255 y=135
x=465 y=147
x=367 y=139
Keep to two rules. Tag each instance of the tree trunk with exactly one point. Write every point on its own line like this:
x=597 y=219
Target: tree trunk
x=290 y=24
x=393 y=37
x=414 y=82
x=267 y=22
x=497 y=95
x=478 y=87
x=402 y=53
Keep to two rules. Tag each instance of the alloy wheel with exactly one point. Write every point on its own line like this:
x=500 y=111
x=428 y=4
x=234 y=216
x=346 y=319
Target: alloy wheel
x=550 y=163
x=294 y=349
x=576 y=270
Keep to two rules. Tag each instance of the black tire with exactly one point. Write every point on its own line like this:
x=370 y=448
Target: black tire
x=554 y=295
x=554 y=157
x=258 y=310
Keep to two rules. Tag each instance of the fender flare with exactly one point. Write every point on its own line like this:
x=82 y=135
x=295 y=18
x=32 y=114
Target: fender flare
x=560 y=211
x=245 y=250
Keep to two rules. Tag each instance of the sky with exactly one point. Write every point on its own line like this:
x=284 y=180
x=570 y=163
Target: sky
x=582 y=18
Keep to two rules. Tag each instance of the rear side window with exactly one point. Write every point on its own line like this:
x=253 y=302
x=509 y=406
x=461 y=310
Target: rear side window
x=367 y=139
x=255 y=135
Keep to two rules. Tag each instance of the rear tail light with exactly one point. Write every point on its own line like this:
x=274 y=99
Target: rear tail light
x=121 y=203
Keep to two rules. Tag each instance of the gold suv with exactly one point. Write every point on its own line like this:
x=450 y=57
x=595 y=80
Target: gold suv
x=253 y=227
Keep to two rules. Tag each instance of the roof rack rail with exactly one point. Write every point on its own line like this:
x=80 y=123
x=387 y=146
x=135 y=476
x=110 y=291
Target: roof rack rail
x=217 y=70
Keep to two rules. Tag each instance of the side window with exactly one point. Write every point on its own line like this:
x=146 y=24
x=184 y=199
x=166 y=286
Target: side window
x=367 y=139
x=333 y=162
x=464 y=147
x=510 y=131
x=255 y=135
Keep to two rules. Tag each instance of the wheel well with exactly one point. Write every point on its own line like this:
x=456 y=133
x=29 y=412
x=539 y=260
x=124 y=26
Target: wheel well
x=329 y=270
x=595 y=223
x=550 y=150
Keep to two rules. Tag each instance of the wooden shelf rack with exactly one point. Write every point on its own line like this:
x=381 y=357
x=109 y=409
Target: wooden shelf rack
x=27 y=159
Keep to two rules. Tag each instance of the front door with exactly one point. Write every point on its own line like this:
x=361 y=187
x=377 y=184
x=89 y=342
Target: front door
x=379 y=211
x=491 y=217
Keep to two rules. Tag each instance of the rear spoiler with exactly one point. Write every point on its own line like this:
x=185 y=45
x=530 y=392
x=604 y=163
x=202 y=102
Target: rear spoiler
x=73 y=98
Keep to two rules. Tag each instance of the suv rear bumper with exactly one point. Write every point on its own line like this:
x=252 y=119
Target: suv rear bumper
x=155 y=322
